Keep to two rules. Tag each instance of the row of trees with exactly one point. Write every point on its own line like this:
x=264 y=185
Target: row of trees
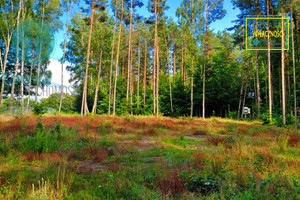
x=124 y=63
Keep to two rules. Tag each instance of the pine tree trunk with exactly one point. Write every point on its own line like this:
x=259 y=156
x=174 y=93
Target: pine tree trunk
x=131 y=81
x=117 y=59
x=283 y=75
x=138 y=78
x=12 y=93
x=174 y=68
x=245 y=91
x=129 y=53
x=94 y=111
x=84 y=96
x=258 y=86
x=157 y=57
x=269 y=69
x=204 y=65
x=192 y=89
x=182 y=62
x=39 y=60
x=145 y=74
x=169 y=70
x=63 y=60
x=29 y=85
x=153 y=79
x=22 y=67
x=241 y=95
x=294 y=74
x=3 y=65
x=111 y=62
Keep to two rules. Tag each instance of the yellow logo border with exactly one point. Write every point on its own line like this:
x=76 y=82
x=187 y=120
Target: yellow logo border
x=266 y=49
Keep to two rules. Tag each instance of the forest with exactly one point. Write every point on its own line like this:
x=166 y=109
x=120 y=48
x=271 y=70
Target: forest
x=124 y=63
x=133 y=99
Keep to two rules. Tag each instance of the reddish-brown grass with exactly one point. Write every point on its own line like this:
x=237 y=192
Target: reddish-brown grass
x=171 y=183
x=114 y=167
x=34 y=156
x=262 y=135
x=294 y=140
x=216 y=140
x=269 y=157
x=96 y=154
x=200 y=132
x=198 y=158
x=149 y=132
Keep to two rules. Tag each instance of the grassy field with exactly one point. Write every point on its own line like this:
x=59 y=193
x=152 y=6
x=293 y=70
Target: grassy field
x=146 y=158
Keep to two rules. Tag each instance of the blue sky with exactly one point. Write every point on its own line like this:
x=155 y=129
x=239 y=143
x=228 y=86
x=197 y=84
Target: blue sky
x=220 y=25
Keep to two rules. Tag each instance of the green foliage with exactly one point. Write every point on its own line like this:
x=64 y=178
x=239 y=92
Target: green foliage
x=39 y=109
x=3 y=149
x=68 y=102
x=283 y=142
x=41 y=141
x=201 y=182
x=260 y=163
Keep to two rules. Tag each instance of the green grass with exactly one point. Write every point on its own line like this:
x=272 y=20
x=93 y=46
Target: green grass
x=70 y=161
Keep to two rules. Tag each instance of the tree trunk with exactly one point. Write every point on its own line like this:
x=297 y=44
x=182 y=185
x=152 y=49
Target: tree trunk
x=169 y=70
x=269 y=69
x=94 y=111
x=153 y=79
x=204 y=65
x=39 y=61
x=3 y=66
x=22 y=67
x=245 y=91
x=182 y=62
x=138 y=77
x=192 y=89
x=157 y=57
x=111 y=61
x=12 y=93
x=29 y=84
x=258 y=86
x=117 y=59
x=174 y=68
x=283 y=76
x=131 y=81
x=241 y=95
x=63 y=60
x=84 y=96
x=294 y=75
x=145 y=73
x=129 y=53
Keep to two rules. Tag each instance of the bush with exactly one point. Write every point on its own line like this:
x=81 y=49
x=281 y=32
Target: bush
x=283 y=142
x=39 y=109
x=42 y=141
x=3 y=149
x=201 y=182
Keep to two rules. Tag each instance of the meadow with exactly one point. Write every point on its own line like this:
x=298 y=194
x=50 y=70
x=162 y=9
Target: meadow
x=104 y=157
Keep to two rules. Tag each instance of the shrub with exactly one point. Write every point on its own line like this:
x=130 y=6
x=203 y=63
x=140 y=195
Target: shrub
x=39 y=109
x=283 y=142
x=231 y=127
x=3 y=149
x=102 y=129
x=201 y=182
x=42 y=141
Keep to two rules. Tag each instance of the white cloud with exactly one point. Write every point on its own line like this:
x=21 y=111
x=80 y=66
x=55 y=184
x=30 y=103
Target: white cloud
x=55 y=68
